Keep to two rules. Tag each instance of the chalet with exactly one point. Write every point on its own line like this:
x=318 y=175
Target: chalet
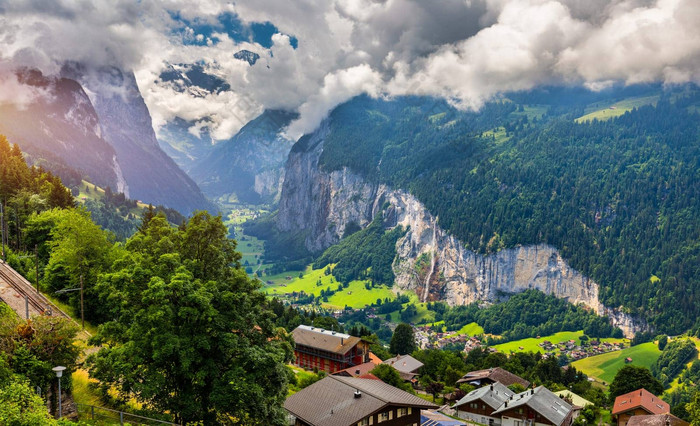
x=577 y=401
x=357 y=370
x=535 y=407
x=492 y=375
x=327 y=350
x=346 y=401
x=406 y=365
x=638 y=403
x=479 y=404
x=656 y=420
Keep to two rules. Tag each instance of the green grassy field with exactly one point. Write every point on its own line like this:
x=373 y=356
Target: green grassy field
x=604 y=112
x=250 y=247
x=307 y=283
x=532 y=344
x=423 y=315
x=88 y=191
x=532 y=111
x=471 y=329
x=357 y=296
x=604 y=367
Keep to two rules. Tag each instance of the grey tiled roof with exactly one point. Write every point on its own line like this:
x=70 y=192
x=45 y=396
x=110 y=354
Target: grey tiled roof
x=331 y=401
x=494 y=374
x=541 y=400
x=404 y=363
x=656 y=420
x=494 y=396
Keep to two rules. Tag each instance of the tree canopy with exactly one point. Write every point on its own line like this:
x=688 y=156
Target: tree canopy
x=631 y=378
x=189 y=332
x=403 y=341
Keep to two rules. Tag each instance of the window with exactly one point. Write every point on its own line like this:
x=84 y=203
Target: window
x=383 y=417
x=402 y=412
x=363 y=422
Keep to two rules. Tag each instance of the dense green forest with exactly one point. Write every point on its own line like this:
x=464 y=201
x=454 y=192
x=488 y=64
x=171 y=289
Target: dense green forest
x=366 y=254
x=619 y=198
x=673 y=359
x=527 y=314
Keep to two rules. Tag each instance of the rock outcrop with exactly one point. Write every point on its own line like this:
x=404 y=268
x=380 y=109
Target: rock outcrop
x=429 y=261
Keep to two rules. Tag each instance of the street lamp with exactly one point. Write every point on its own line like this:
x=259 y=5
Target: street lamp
x=59 y=373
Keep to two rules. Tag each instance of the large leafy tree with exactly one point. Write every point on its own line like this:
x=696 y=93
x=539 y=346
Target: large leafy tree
x=631 y=378
x=31 y=348
x=403 y=341
x=76 y=247
x=191 y=334
x=693 y=409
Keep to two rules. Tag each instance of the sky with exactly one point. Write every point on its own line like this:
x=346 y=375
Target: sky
x=316 y=54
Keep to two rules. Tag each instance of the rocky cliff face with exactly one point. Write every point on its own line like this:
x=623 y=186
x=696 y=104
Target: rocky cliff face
x=250 y=164
x=429 y=262
x=147 y=173
x=61 y=127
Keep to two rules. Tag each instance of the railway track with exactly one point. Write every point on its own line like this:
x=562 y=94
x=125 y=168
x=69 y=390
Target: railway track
x=25 y=289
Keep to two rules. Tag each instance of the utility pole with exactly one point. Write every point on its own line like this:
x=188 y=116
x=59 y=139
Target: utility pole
x=2 y=230
x=36 y=264
x=82 y=308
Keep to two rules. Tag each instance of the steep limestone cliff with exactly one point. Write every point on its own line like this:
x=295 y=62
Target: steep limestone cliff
x=429 y=262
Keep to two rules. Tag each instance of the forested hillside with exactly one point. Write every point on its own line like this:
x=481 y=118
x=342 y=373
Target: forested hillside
x=619 y=198
x=183 y=330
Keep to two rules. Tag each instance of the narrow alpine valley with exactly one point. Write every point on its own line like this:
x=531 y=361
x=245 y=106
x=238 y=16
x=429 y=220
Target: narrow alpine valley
x=341 y=213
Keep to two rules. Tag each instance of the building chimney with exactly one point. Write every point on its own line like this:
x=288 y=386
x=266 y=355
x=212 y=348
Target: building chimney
x=342 y=341
x=358 y=394
x=491 y=386
x=532 y=392
x=506 y=403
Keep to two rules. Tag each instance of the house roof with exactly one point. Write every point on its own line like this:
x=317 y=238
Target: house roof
x=641 y=398
x=543 y=401
x=577 y=400
x=656 y=420
x=374 y=358
x=494 y=374
x=404 y=363
x=331 y=401
x=436 y=418
x=357 y=370
x=494 y=396
x=326 y=340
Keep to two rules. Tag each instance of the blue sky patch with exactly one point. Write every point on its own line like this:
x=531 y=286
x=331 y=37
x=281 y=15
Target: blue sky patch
x=231 y=24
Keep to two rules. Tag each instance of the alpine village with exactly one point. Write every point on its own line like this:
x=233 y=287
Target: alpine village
x=350 y=212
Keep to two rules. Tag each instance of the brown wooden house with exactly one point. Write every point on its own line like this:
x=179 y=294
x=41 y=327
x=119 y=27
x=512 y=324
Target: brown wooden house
x=350 y=401
x=492 y=375
x=327 y=350
x=535 y=407
x=638 y=403
x=478 y=405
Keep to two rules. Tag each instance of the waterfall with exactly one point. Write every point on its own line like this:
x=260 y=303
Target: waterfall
x=433 y=260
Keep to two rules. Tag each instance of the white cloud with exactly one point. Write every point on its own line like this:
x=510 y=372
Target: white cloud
x=337 y=88
x=465 y=50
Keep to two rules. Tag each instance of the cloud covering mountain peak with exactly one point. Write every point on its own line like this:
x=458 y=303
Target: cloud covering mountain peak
x=315 y=54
